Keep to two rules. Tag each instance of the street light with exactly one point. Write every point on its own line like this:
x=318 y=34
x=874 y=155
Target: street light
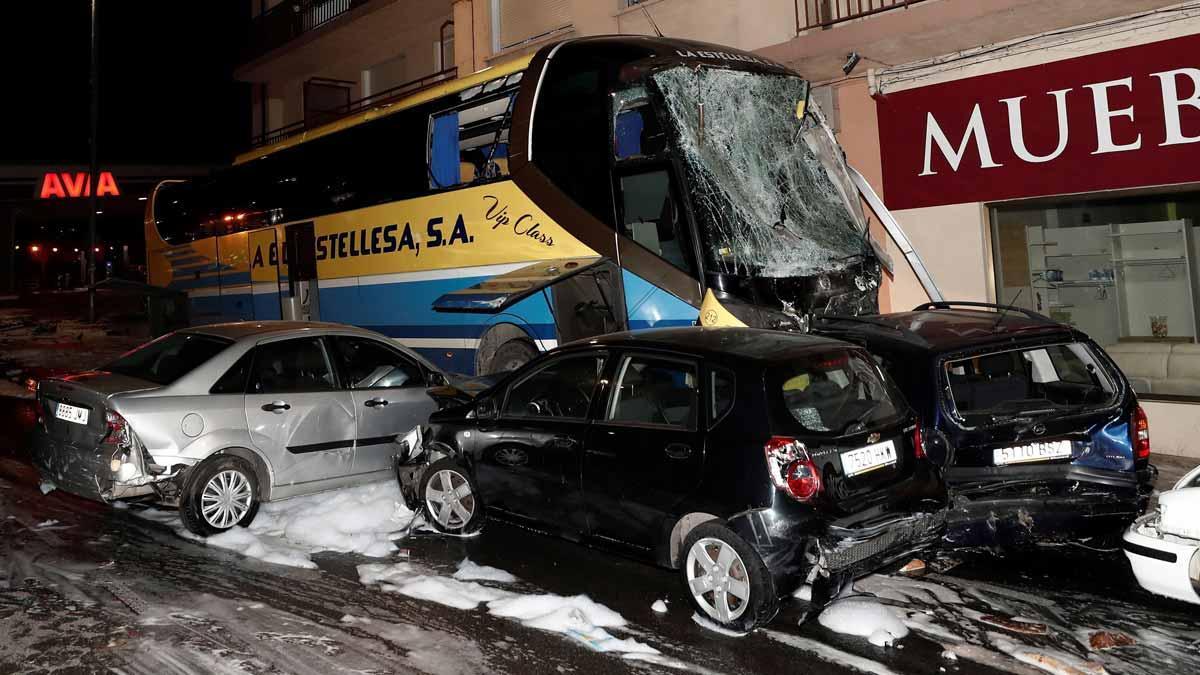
x=54 y=250
x=33 y=249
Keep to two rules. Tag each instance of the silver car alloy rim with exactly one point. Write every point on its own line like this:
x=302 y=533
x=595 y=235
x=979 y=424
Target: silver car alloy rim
x=449 y=499
x=718 y=580
x=226 y=499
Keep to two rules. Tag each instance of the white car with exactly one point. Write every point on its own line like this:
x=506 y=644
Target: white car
x=1164 y=545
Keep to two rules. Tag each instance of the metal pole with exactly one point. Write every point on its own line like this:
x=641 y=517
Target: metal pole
x=93 y=169
x=12 y=251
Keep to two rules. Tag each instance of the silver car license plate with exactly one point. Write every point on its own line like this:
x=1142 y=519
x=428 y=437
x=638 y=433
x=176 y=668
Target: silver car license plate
x=71 y=413
x=869 y=458
x=1032 y=452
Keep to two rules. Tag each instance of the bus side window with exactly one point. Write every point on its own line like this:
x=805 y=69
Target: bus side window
x=651 y=217
x=470 y=144
x=636 y=132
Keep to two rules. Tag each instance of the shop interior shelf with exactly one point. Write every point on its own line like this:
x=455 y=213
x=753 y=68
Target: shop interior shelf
x=1146 y=234
x=1103 y=254
x=1150 y=261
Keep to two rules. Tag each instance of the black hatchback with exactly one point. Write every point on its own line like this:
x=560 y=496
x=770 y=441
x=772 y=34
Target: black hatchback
x=759 y=463
x=1041 y=436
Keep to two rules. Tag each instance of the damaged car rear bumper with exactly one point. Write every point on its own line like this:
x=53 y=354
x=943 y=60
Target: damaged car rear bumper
x=89 y=471
x=1048 y=503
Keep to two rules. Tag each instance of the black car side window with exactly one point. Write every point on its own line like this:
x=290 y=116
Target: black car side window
x=562 y=389
x=722 y=392
x=291 y=366
x=656 y=391
x=368 y=364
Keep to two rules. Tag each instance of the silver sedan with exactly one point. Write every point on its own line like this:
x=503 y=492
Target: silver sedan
x=217 y=419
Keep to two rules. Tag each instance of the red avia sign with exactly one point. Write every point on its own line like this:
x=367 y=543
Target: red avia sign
x=1118 y=119
x=63 y=185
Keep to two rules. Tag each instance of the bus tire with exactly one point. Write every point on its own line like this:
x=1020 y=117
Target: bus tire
x=510 y=356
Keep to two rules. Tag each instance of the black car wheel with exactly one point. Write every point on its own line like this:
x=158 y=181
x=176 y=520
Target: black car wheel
x=220 y=493
x=726 y=578
x=449 y=498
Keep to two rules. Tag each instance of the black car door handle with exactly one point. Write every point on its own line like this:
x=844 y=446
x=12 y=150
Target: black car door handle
x=563 y=442
x=677 y=451
x=602 y=453
x=376 y=402
x=276 y=406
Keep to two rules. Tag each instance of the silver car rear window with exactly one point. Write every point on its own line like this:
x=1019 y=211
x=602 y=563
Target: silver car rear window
x=168 y=358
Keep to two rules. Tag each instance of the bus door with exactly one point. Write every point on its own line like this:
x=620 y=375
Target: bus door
x=651 y=217
x=264 y=274
x=300 y=302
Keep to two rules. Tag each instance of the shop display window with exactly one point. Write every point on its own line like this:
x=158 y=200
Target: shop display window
x=1124 y=271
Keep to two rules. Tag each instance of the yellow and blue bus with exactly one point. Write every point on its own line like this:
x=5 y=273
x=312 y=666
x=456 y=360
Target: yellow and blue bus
x=601 y=184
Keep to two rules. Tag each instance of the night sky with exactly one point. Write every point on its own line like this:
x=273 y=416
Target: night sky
x=167 y=94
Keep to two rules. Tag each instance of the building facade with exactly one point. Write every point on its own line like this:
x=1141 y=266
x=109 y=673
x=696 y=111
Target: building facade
x=1036 y=153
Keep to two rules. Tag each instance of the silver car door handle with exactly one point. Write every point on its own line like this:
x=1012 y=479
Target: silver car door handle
x=376 y=402
x=277 y=407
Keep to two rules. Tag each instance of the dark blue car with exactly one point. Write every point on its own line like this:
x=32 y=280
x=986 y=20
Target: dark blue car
x=1040 y=434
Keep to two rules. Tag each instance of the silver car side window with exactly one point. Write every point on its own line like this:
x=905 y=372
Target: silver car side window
x=292 y=366
x=369 y=364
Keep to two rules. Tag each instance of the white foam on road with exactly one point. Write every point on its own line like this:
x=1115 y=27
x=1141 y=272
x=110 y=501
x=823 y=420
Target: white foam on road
x=469 y=571
x=864 y=617
x=363 y=519
x=577 y=616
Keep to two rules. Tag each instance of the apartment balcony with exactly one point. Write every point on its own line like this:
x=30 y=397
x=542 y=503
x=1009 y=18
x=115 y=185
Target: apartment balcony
x=824 y=13
x=289 y=20
x=317 y=118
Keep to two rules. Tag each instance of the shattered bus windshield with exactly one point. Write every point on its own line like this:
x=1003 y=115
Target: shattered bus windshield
x=770 y=189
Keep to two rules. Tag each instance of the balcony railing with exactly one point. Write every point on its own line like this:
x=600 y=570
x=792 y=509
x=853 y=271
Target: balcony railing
x=825 y=13
x=374 y=100
x=290 y=19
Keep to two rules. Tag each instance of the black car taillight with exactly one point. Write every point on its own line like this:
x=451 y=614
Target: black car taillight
x=117 y=432
x=1141 y=434
x=792 y=469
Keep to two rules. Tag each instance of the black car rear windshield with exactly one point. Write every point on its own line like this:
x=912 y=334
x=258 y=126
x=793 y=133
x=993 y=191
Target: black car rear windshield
x=836 y=392
x=1030 y=381
x=169 y=358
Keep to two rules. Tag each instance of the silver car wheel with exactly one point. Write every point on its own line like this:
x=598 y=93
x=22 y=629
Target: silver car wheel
x=226 y=499
x=718 y=580
x=449 y=499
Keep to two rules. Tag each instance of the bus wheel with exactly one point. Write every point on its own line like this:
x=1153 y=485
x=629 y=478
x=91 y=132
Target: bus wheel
x=511 y=355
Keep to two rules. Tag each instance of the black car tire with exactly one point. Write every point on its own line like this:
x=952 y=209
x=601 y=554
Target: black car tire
x=453 y=521
x=762 y=603
x=191 y=507
x=511 y=355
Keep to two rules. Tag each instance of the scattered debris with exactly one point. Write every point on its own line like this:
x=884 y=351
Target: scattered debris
x=949 y=655
x=1105 y=639
x=1058 y=666
x=914 y=568
x=944 y=564
x=1015 y=625
x=46 y=523
x=47 y=487
x=659 y=606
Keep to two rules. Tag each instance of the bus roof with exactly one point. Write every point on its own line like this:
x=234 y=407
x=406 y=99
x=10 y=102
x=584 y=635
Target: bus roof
x=423 y=96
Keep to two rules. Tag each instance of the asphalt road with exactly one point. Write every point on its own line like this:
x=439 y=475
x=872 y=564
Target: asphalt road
x=102 y=590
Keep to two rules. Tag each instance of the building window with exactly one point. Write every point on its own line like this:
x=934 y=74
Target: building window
x=517 y=21
x=1123 y=271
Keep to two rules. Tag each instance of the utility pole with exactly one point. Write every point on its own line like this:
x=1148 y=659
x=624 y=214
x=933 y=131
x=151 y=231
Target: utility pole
x=93 y=169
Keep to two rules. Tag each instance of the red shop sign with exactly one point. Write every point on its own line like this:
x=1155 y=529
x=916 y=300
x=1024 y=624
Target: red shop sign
x=66 y=185
x=1118 y=119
